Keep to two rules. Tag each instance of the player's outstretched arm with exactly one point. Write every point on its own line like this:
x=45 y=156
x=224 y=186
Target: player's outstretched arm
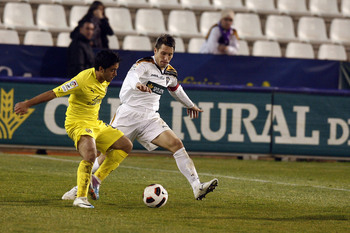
x=179 y=94
x=194 y=112
x=22 y=107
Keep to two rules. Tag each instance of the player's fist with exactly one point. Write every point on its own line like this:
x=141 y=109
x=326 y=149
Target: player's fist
x=21 y=108
x=143 y=88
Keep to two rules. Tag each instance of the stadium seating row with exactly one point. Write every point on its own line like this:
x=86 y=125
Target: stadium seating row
x=143 y=43
x=327 y=8
x=181 y=23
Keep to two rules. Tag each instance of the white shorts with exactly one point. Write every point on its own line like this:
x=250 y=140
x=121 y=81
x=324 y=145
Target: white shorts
x=141 y=124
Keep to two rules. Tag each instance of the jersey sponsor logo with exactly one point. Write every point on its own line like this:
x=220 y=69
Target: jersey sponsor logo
x=68 y=86
x=95 y=101
x=157 y=76
x=156 y=88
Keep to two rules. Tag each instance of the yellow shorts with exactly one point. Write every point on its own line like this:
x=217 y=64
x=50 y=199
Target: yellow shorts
x=104 y=134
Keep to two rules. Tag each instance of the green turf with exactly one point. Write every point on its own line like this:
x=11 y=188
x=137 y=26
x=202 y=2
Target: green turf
x=252 y=196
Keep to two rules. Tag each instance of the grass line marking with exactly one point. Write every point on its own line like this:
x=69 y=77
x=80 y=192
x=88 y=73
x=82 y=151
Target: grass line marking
x=203 y=174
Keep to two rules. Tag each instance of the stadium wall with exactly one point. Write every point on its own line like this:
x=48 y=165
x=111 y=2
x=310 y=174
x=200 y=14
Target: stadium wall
x=251 y=104
x=216 y=70
x=235 y=120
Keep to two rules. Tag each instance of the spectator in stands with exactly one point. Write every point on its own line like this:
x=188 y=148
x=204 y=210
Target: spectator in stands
x=80 y=53
x=222 y=38
x=96 y=14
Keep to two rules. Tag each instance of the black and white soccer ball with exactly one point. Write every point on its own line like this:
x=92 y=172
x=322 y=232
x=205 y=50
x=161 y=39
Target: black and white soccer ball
x=155 y=196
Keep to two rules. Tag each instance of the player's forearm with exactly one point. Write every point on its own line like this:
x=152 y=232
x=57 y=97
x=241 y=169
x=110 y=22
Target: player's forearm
x=44 y=97
x=180 y=95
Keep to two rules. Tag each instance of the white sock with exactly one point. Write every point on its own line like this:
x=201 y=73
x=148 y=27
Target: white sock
x=96 y=166
x=186 y=167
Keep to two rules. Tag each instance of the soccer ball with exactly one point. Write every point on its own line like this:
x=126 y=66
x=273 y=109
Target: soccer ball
x=155 y=196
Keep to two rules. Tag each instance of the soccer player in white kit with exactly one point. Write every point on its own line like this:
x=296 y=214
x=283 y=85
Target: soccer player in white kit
x=137 y=116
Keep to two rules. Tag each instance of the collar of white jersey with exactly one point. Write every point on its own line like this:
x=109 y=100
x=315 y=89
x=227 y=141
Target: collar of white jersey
x=155 y=62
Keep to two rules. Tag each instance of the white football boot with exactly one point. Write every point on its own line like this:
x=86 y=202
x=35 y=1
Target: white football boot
x=94 y=188
x=71 y=194
x=202 y=189
x=82 y=202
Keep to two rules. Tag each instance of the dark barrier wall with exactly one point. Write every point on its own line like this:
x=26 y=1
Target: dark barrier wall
x=39 y=61
x=250 y=120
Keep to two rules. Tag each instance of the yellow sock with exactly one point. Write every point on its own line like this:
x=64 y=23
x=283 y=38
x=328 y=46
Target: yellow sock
x=111 y=162
x=83 y=180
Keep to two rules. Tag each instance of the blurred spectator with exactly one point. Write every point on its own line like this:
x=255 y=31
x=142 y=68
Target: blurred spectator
x=96 y=14
x=80 y=52
x=222 y=38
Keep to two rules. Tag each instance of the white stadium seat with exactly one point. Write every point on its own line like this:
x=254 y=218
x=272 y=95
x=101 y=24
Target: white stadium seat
x=106 y=3
x=324 y=7
x=203 y=5
x=9 y=37
x=179 y=45
x=76 y=14
x=19 y=16
x=337 y=33
x=332 y=52
x=266 y=49
x=133 y=3
x=300 y=50
x=51 y=17
x=207 y=20
x=113 y=42
x=63 y=39
x=195 y=44
x=120 y=20
x=229 y=4
x=165 y=4
x=150 y=22
x=74 y=2
x=345 y=8
x=312 y=29
x=137 y=43
x=243 y=48
x=248 y=26
x=43 y=1
x=279 y=27
x=295 y=7
x=261 y=6
x=183 y=23
x=38 y=38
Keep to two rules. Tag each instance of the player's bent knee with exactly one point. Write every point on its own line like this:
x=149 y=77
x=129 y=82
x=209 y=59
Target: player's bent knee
x=128 y=147
x=124 y=144
x=176 y=144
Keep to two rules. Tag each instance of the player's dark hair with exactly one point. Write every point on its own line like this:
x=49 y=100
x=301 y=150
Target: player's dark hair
x=165 y=39
x=106 y=58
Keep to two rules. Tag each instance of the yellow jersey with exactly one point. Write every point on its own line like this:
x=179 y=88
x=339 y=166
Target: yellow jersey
x=86 y=94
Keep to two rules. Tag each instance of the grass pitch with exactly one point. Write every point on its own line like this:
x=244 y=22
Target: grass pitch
x=252 y=196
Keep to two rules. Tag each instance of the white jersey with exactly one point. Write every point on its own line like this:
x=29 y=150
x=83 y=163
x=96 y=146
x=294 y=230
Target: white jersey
x=147 y=72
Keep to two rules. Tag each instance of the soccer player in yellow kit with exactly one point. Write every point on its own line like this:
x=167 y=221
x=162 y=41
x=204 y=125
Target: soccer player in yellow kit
x=89 y=134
